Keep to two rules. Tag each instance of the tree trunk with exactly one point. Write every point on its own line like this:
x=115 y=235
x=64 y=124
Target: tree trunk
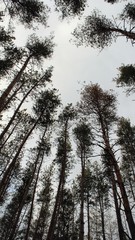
x=88 y=216
x=81 y=232
x=118 y=214
x=24 y=195
x=34 y=191
x=12 y=84
x=60 y=189
x=55 y=213
x=128 y=34
x=113 y=162
x=102 y=218
x=2 y=143
x=6 y=177
x=15 y=113
x=11 y=97
x=126 y=205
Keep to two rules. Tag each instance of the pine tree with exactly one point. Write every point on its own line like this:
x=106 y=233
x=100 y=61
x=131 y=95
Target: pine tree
x=63 y=161
x=101 y=107
x=83 y=137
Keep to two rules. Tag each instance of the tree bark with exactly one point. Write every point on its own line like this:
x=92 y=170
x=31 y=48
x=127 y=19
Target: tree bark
x=34 y=191
x=15 y=113
x=88 y=216
x=24 y=195
x=113 y=162
x=118 y=214
x=128 y=34
x=81 y=232
x=6 y=177
x=12 y=84
x=60 y=189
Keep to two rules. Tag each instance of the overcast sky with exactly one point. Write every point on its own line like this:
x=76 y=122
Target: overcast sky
x=74 y=67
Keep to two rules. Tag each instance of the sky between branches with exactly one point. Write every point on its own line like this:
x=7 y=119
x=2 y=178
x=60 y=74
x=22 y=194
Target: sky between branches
x=75 y=67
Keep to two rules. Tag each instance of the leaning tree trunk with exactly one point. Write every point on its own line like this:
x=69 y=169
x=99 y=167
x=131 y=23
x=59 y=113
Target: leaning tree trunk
x=128 y=34
x=6 y=177
x=15 y=113
x=12 y=84
x=24 y=196
x=113 y=162
x=126 y=205
x=5 y=105
x=118 y=214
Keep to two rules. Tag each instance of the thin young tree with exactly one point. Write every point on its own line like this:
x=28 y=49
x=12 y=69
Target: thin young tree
x=83 y=137
x=44 y=197
x=44 y=109
x=32 y=87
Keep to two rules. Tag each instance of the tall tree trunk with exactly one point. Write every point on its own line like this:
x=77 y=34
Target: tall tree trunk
x=126 y=205
x=24 y=196
x=81 y=232
x=88 y=216
x=55 y=213
x=113 y=162
x=118 y=214
x=15 y=113
x=102 y=217
x=11 y=97
x=34 y=191
x=6 y=177
x=2 y=143
x=12 y=84
x=131 y=189
x=60 y=189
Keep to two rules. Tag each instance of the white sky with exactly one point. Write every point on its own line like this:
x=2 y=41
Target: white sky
x=74 y=66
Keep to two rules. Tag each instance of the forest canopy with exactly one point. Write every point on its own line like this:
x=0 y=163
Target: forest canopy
x=67 y=171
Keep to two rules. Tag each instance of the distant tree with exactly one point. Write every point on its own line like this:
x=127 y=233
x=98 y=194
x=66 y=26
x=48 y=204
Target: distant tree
x=101 y=187
x=44 y=197
x=129 y=13
x=62 y=159
x=88 y=196
x=10 y=220
x=69 y=7
x=43 y=149
x=44 y=109
x=83 y=137
x=64 y=228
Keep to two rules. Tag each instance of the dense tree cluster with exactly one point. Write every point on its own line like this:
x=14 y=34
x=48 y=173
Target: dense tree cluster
x=42 y=143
